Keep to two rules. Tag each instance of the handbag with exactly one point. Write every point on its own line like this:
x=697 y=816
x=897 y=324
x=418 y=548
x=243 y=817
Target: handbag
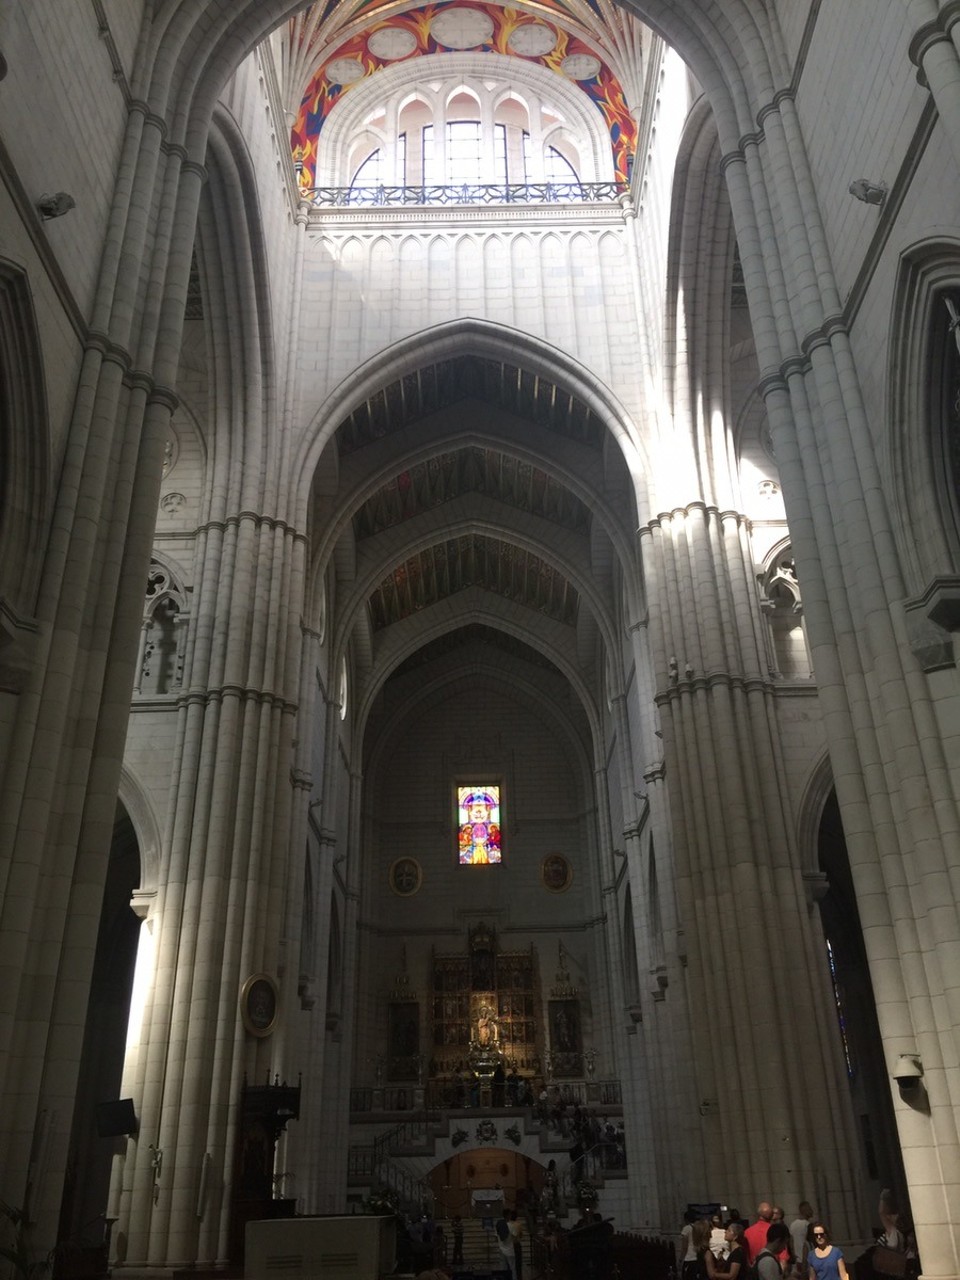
x=889 y=1262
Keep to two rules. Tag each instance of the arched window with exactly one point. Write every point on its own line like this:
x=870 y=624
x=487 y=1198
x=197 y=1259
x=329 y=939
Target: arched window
x=370 y=173
x=494 y=122
x=463 y=160
x=557 y=168
x=163 y=635
x=631 y=971
x=373 y=170
x=780 y=601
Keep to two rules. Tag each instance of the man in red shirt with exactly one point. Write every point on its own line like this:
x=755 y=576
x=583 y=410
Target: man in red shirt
x=755 y=1237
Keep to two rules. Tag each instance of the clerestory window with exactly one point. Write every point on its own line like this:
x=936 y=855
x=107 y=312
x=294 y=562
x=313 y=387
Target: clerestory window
x=461 y=134
x=463 y=159
x=373 y=171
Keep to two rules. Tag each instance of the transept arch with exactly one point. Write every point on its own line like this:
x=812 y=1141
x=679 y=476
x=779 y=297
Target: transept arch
x=567 y=464
x=405 y=641
x=478 y=525
x=484 y=339
x=143 y=819
x=921 y=331
x=511 y=676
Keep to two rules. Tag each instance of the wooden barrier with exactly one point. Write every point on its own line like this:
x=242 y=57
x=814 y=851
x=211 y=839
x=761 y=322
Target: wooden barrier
x=597 y=1252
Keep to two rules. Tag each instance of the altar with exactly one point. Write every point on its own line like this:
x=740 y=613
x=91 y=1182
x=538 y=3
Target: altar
x=486 y=1202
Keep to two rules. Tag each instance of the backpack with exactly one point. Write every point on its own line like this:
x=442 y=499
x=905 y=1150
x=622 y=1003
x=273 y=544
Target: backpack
x=752 y=1270
x=503 y=1231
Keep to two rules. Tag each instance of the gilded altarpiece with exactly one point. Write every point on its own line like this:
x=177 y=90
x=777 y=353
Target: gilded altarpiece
x=485 y=997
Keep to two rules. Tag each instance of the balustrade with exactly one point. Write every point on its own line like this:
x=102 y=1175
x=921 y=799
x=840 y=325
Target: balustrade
x=490 y=193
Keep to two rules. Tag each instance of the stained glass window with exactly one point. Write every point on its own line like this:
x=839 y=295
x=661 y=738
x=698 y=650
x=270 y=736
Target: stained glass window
x=478 y=824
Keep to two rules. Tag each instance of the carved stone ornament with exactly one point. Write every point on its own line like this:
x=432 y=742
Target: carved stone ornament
x=405 y=876
x=556 y=874
x=171 y=503
x=933 y=619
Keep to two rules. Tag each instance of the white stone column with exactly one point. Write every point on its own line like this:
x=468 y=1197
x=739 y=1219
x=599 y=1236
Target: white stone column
x=898 y=813
x=309 y=1141
x=935 y=51
x=61 y=782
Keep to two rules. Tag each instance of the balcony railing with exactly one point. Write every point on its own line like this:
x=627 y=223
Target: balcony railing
x=438 y=1096
x=491 y=193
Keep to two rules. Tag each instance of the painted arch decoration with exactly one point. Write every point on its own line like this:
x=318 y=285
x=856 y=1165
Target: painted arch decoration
x=498 y=29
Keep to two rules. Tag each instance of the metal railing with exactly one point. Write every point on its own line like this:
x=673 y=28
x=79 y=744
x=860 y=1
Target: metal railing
x=409 y=1133
x=452 y=1096
x=467 y=193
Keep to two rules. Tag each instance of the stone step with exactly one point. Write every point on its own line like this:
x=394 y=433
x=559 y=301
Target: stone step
x=480 y=1248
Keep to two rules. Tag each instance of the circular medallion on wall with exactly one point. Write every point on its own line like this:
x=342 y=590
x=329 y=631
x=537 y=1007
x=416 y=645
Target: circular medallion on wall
x=580 y=66
x=556 y=873
x=405 y=877
x=259 y=1004
x=532 y=40
x=391 y=43
x=462 y=28
x=344 y=71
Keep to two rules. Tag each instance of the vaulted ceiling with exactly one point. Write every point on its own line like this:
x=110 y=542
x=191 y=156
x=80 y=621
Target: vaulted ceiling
x=489 y=485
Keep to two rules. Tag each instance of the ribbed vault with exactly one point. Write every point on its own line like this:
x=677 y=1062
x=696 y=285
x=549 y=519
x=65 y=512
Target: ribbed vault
x=473 y=560
x=473 y=487
x=446 y=382
x=473 y=633
x=439 y=480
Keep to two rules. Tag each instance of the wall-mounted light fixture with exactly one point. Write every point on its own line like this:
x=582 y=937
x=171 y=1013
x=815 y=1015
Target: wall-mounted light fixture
x=908 y=1072
x=55 y=206
x=868 y=192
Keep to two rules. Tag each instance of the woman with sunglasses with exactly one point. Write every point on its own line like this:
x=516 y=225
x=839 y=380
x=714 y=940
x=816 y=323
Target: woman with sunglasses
x=825 y=1259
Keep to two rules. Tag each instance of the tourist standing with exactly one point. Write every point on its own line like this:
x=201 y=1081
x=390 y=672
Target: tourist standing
x=800 y=1235
x=755 y=1237
x=825 y=1260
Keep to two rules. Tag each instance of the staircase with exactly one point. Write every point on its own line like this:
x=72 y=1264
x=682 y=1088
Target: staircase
x=480 y=1250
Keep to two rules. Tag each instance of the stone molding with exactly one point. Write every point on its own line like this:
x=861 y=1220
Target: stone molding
x=932 y=619
x=17 y=640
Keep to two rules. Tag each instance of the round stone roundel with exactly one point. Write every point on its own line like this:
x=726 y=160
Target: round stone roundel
x=532 y=40
x=344 y=71
x=391 y=43
x=461 y=28
x=580 y=66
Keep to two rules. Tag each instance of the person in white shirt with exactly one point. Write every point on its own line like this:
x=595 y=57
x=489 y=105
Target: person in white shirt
x=800 y=1235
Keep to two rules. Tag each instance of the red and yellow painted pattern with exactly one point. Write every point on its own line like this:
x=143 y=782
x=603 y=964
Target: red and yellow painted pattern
x=322 y=96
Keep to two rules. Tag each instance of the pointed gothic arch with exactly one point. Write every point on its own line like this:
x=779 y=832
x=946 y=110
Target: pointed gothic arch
x=481 y=338
x=24 y=449
x=923 y=411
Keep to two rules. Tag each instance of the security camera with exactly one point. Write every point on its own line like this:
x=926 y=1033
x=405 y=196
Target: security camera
x=908 y=1073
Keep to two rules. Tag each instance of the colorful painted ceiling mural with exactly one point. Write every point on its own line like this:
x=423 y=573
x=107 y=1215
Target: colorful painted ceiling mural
x=457 y=27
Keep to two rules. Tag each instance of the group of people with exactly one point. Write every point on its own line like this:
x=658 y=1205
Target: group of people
x=769 y=1249
x=560 y=1110
x=510 y=1089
